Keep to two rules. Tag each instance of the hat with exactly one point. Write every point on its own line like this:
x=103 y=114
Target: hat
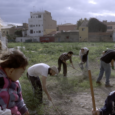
x=54 y=69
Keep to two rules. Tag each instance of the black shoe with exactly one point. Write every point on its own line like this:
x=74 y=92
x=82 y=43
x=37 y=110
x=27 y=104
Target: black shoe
x=98 y=82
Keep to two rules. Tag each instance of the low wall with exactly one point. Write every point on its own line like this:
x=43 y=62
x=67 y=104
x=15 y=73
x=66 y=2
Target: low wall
x=100 y=37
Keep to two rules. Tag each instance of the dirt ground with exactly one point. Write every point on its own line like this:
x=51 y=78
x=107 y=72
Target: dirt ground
x=80 y=102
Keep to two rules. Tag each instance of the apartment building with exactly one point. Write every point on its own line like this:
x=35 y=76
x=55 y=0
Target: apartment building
x=110 y=26
x=40 y=23
x=7 y=30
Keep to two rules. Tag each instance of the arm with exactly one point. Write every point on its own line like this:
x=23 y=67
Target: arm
x=72 y=65
x=112 y=64
x=72 y=62
x=44 y=87
x=20 y=103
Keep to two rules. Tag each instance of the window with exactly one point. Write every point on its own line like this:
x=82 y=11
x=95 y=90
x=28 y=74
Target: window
x=31 y=16
x=31 y=31
x=39 y=31
x=39 y=16
x=36 y=25
x=83 y=29
x=39 y=25
x=7 y=32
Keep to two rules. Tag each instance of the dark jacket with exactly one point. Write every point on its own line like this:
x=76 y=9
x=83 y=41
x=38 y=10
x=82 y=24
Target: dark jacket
x=109 y=107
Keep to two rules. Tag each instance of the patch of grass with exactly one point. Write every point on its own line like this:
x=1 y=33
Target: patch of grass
x=49 y=53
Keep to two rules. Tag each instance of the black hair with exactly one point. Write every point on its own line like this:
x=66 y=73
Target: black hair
x=70 y=52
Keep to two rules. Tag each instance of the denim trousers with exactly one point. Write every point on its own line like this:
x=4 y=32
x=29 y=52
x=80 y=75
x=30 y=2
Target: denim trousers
x=104 y=67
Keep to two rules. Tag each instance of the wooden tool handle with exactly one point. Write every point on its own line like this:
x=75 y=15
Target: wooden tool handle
x=92 y=92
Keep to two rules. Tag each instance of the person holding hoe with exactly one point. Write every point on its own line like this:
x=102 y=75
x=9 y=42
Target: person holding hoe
x=33 y=73
x=83 y=54
x=109 y=107
x=62 y=60
x=107 y=58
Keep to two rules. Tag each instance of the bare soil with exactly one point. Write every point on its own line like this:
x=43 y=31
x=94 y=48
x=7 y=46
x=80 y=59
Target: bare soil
x=79 y=102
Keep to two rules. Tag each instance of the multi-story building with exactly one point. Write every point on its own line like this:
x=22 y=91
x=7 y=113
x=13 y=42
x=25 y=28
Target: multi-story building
x=83 y=31
x=40 y=23
x=7 y=30
x=110 y=25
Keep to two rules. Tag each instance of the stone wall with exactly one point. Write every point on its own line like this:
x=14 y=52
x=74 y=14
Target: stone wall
x=67 y=37
x=100 y=37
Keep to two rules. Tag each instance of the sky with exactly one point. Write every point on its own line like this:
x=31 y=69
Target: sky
x=63 y=11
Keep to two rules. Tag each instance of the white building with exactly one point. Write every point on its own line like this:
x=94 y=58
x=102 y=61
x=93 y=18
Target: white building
x=40 y=23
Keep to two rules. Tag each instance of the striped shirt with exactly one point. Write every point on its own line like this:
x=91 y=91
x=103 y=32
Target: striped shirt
x=65 y=57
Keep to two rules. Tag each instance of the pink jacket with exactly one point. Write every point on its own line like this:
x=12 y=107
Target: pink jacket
x=11 y=95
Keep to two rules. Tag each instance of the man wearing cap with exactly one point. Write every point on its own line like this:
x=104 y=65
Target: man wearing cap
x=62 y=60
x=33 y=74
x=83 y=54
x=107 y=58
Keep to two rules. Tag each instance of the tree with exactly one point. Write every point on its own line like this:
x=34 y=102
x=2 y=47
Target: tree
x=18 y=33
x=80 y=21
x=95 y=25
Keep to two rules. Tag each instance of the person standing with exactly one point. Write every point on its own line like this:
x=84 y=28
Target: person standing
x=62 y=60
x=83 y=54
x=33 y=73
x=107 y=58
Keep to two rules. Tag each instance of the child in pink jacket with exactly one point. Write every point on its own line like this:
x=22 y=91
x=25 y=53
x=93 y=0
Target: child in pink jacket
x=12 y=66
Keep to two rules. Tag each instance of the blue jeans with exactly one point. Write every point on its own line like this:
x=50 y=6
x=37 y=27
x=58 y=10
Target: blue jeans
x=104 y=67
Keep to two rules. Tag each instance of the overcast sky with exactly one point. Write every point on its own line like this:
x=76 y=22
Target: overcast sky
x=63 y=11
